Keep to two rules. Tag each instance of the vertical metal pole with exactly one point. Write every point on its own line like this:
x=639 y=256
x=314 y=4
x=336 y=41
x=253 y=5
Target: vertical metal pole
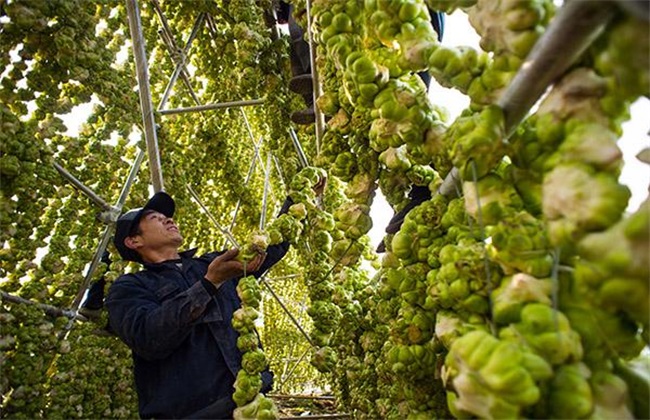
x=267 y=180
x=320 y=119
x=142 y=71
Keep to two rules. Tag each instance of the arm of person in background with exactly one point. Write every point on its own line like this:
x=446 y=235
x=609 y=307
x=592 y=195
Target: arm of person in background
x=275 y=253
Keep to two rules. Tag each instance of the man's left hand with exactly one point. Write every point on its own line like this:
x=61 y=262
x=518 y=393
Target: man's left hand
x=226 y=267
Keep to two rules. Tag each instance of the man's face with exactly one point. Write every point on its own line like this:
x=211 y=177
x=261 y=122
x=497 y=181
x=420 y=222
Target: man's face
x=156 y=230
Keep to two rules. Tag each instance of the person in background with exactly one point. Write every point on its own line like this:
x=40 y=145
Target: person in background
x=176 y=313
x=302 y=82
x=418 y=193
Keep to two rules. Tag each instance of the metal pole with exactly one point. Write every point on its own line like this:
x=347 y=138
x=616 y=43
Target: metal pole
x=130 y=179
x=320 y=119
x=265 y=196
x=279 y=169
x=302 y=158
x=171 y=48
x=293 y=368
x=180 y=65
x=105 y=238
x=84 y=189
x=145 y=94
x=208 y=107
x=103 y=243
x=250 y=131
x=289 y=314
x=449 y=184
x=226 y=233
x=577 y=24
x=48 y=309
x=248 y=178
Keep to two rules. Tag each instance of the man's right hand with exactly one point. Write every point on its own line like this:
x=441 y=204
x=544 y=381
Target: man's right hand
x=226 y=267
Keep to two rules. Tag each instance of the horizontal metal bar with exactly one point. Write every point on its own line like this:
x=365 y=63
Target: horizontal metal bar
x=208 y=107
x=318 y=416
x=302 y=397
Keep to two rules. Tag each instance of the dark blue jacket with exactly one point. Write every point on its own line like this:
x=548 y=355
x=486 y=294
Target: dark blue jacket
x=178 y=327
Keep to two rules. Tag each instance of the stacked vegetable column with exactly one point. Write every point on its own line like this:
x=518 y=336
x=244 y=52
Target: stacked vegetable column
x=496 y=303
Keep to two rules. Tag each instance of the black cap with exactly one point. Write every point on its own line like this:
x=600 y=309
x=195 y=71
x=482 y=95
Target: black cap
x=127 y=223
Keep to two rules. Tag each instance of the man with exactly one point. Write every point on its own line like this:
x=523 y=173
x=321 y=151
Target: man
x=175 y=315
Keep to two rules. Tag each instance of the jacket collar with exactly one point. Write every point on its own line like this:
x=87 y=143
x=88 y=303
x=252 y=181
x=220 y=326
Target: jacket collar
x=159 y=266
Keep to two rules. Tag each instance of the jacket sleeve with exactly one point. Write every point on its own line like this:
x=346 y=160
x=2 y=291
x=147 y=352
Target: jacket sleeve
x=288 y=202
x=152 y=329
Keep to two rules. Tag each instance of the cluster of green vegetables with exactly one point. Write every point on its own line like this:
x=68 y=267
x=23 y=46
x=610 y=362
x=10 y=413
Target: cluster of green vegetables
x=526 y=296
x=61 y=54
x=251 y=404
x=488 y=303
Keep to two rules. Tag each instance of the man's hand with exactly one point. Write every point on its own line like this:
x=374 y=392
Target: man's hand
x=226 y=267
